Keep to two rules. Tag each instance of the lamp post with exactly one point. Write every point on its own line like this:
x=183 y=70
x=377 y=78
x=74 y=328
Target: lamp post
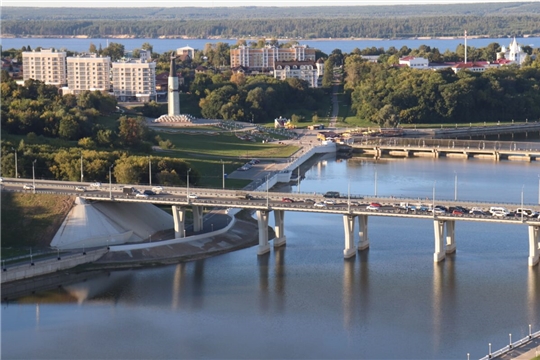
x=150 y=171
x=34 y=176
x=17 y=175
x=267 y=190
x=82 y=175
x=349 y=197
x=538 y=189
x=110 y=181
x=455 y=187
x=433 y=205
x=187 y=189
x=522 y=202
x=223 y=175
x=375 y=180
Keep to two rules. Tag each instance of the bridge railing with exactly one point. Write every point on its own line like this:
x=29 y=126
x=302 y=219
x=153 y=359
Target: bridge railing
x=511 y=346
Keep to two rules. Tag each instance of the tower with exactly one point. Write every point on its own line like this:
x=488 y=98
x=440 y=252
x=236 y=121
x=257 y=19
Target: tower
x=173 y=97
x=465 y=46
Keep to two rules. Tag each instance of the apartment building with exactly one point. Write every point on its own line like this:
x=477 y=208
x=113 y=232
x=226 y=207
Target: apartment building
x=310 y=71
x=264 y=58
x=134 y=80
x=46 y=65
x=88 y=72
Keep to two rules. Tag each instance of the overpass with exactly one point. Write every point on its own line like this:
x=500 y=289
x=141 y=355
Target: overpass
x=351 y=207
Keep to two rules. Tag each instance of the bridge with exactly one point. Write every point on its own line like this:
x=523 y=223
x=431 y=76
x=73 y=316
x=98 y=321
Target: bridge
x=353 y=208
x=435 y=148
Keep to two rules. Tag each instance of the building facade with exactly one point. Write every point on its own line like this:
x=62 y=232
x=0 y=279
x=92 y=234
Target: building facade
x=46 y=65
x=134 y=80
x=88 y=73
x=513 y=53
x=309 y=71
x=264 y=58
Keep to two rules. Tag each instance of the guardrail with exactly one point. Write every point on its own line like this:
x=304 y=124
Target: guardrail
x=511 y=345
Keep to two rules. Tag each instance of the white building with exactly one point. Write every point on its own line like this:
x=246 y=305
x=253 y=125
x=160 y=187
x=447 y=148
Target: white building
x=46 y=65
x=186 y=50
x=264 y=58
x=88 y=72
x=513 y=52
x=134 y=80
x=309 y=71
x=414 y=62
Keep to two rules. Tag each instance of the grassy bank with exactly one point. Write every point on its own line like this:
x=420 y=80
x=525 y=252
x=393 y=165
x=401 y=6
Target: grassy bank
x=30 y=221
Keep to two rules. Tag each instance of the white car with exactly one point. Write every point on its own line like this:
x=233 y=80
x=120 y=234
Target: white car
x=329 y=202
x=142 y=195
x=157 y=189
x=319 y=205
x=96 y=184
x=373 y=208
x=28 y=187
x=193 y=196
x=80 y=188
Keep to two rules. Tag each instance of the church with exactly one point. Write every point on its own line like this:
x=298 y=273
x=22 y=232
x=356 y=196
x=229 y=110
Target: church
x=513 y=52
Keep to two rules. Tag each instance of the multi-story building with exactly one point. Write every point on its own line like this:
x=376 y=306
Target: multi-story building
x=309 y=71
x=265 y=58
x=88 y=72
x=46 y=65
x=134 y=80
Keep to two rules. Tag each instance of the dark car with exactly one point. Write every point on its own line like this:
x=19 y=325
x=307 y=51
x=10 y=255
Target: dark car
x=249 y=197
x=149 y=192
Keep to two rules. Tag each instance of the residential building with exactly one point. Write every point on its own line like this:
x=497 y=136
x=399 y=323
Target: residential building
x=265 y=58
x=309 y=71
x=46 y=65
x=88 y=72
x=134 y=80
x=414 y=62
x=186 y=50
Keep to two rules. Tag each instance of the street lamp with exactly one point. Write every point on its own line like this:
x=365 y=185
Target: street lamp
x=375 y=180
x=187 y=190
x=433 y=205
x=82 y=175
x=455 y=187
x=110 y=181
x=538 y=189
x=34 y=176
x=223 y=174
x=150 y=171
x=522 y=202
x=16 y=173
x=267 y=197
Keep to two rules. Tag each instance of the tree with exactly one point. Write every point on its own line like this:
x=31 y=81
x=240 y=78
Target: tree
x=115 y=51
x=132 y=131
x=147 y=46
x=92 y=49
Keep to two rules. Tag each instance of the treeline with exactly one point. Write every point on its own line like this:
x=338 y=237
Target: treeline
x=267 y=12
x=434 y=26
x=388 y=95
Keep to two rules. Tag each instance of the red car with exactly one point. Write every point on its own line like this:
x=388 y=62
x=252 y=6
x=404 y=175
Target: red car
x=289 y=200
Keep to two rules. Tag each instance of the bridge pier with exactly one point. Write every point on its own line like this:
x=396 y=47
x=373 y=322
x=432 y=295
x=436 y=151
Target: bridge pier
x=279 y=228
x=262 y=220
x=348 y=222
x=363 y=232
x=436 y=154
x=534 y=251
x=439 y=253
x=197 y=218
x=179 y=218
x=450 y=236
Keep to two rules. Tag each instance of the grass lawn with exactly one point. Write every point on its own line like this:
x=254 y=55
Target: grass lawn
x=30 y=221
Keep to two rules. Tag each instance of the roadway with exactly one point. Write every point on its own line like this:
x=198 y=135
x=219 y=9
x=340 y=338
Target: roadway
x=302 y=202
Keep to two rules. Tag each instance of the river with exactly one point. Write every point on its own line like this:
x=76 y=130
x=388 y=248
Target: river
x=304 y=300
x=326 y=46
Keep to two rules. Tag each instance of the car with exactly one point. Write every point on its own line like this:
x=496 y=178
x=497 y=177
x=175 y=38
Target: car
x=287 y=200
x=249 y=197
x=80 y=188
x=254 y=161
x=462 y=209
x=96 y=184
x=457 y=212
x=329 y=202
x=477 y=212
x=28 y=187
x=331 y=194
x=310 y=201
x=149 y=192
x=476 y=209
x=373 y=208
x=157 y=189
x=193 y=196
x=142 y=195
x=498 y=213
x=1 y=179
x=439 y=210
x=422 y=208
x=319 y=205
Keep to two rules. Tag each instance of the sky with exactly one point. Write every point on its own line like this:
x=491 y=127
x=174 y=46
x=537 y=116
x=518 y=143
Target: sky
x=233 y=3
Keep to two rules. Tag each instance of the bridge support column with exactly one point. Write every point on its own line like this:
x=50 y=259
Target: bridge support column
x=439 y=253
x=497 y=156
x=197 y=218
x=179 y=218
x=348 y=222
x=279 y=228
x=534 y=232
x=436 y=154
x=262 y=220
x=363 y=232
x=450 y=236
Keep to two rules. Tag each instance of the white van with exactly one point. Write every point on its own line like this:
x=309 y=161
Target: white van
x=498 y=211
x=526 y=212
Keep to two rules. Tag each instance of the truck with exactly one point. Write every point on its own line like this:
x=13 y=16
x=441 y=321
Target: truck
x=129 y=190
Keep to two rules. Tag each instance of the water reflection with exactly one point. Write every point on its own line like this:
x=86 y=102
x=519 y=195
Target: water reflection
x=262 y=262
x=178 y=280
x=105 y=286
x=533 y=288
x=444 y=298
x=280 y=277
x=348 y=292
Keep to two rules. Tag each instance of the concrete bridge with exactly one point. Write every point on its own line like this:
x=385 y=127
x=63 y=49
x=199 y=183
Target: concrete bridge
x=435 y=148
x=352 y=208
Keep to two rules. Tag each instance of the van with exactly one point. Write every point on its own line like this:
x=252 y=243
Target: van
x=526 y=212
x=331 y=194
x=497 y=210
x=128 y=190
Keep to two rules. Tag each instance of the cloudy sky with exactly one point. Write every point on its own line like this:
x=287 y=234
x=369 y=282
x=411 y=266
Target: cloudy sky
x=230 y=3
